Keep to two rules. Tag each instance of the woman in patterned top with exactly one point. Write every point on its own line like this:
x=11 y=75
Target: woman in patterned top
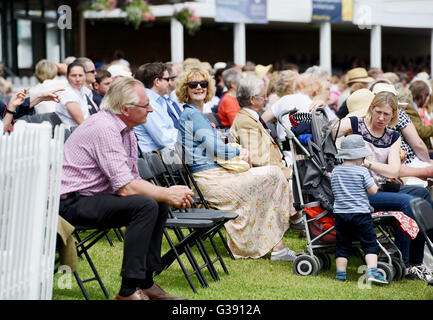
x=385 y=163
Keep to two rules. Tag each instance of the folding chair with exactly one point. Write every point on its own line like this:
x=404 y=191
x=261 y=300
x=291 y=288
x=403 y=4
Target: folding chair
x=175 y=160
x=197 y=228
x=218 y=217
x=423 y=214
x=83 y=245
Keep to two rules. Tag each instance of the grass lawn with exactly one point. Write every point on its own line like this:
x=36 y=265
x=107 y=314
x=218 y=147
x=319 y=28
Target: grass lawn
x=260 y=279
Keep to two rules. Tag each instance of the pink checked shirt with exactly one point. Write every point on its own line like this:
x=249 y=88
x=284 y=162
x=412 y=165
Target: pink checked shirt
x=100 y=156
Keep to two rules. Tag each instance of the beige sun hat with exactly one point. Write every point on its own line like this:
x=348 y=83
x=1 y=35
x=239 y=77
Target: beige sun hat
x=381 y=87
x=358 y=75
x=262 y=70
x=359 y=102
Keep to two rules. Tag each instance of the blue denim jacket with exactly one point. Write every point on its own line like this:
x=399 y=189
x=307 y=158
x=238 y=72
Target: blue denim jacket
x=200 y=141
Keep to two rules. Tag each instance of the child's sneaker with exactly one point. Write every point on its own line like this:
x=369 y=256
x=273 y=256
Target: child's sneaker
x=284 y=255
x=376 y=277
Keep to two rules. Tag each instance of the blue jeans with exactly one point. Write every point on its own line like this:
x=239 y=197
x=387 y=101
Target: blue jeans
x=411 y=250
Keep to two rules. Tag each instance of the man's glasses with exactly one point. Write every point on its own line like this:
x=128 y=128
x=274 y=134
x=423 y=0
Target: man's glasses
x=139 y=106
x=90 y=71
x=166 y=78
x=194 y=84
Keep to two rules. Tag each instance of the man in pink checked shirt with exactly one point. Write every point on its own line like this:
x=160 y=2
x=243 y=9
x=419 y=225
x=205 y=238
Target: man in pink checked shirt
x=101 y=187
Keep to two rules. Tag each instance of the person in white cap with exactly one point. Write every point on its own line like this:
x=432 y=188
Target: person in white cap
x=118 y=70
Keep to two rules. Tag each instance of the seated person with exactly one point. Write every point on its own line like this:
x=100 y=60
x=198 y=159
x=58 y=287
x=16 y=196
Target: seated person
x=229 y=107
x=101 y=187
x=260 y=196
x=159 y=131
x=101 y=85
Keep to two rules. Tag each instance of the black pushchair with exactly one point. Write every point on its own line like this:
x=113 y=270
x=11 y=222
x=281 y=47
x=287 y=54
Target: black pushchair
x=312 y=164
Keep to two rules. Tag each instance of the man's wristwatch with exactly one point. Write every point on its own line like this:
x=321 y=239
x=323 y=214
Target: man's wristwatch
x=11 y=112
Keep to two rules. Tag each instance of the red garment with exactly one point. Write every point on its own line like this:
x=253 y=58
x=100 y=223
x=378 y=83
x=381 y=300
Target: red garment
x=228 y=109
x=406 y=224
x=423 y=116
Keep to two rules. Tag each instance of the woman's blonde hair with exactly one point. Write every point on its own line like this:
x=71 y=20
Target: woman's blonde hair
x=45 y=70
x=382 y=99
x=285 y=82
x=309 y=84
x=189 y=75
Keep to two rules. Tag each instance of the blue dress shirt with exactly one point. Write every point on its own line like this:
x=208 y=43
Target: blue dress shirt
x=158 y=132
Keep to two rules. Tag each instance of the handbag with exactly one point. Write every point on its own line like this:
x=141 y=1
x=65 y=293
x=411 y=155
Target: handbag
x=235 y=164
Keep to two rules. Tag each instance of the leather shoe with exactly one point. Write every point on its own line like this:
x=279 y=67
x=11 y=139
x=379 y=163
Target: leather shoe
x=155 y=292
x=137 y=295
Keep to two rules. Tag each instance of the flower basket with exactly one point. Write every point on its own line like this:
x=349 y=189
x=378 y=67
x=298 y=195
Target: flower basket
x=189 y=20
x=99 y=5
x=137 y=11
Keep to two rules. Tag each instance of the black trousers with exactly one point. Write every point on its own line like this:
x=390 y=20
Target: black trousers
x=143 y=217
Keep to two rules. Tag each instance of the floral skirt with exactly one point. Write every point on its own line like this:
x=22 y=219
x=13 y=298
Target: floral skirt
x=260 y=196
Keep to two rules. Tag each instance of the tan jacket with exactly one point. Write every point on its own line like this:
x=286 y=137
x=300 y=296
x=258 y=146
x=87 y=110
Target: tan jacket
x=425 y=132
x=250 y=134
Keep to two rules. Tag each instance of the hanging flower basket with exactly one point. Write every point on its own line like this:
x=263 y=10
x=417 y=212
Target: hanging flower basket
x=137 y=11
x=189 y=20
x=99 y=5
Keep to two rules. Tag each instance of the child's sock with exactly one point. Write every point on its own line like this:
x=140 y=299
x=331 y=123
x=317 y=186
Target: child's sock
x=340 y=275
x=371 y=270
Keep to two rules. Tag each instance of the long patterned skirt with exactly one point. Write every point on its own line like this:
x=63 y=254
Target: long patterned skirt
x=260 y=196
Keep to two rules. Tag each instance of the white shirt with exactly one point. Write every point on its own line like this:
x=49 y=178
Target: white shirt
x=72 y=95
x=47 y=85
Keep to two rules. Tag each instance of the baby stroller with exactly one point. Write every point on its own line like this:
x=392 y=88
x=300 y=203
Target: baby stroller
x=312 y=164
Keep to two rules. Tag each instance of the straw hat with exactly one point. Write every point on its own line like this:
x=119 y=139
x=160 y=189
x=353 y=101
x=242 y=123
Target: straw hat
x=262 y=70
x=359 y=102
x=358 y=75
x=353 y=147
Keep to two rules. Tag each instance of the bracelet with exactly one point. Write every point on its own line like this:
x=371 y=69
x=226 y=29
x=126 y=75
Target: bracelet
x=11 y=112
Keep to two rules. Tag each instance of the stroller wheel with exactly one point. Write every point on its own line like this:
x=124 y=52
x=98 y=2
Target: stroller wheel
x=386 y=270
x=325 y=260
x=399 y=268
x=306 y=265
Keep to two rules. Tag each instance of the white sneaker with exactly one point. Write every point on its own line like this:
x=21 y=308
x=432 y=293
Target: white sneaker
x=284 y=255
x=421 y=272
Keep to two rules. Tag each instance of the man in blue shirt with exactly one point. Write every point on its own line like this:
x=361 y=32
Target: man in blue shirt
x=159 y=130
x=174 y=110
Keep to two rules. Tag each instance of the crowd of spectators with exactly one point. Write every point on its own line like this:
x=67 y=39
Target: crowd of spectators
x=119 y=112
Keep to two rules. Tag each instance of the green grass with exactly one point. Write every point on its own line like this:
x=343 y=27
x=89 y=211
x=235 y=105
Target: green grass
x=248 y=279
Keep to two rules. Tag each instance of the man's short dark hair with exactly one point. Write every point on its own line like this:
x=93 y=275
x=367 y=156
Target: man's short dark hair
x=148 y=72
x=101 y=74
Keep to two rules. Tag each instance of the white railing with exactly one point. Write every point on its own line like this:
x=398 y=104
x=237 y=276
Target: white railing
x=30 y=176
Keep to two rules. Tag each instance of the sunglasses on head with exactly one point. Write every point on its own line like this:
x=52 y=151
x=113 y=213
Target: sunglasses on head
x=194 y=84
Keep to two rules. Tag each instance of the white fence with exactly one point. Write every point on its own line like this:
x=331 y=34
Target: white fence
x=30 y=175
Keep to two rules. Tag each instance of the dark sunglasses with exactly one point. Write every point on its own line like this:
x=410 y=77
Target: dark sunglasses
x=194 y=84
x=91 y=71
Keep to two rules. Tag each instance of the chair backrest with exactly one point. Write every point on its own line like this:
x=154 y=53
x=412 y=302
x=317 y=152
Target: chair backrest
x=423 y=214
x=144 y=169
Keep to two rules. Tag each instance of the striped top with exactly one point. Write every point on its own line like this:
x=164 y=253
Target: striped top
x=349 y=185
x=100 y=156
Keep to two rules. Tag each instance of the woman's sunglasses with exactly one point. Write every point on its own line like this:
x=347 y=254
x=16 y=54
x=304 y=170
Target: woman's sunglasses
x=194 y=84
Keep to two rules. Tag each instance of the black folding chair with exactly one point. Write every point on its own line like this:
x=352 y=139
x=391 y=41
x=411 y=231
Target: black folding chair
x=423 y=214
x=83 y=245
x=166 y=178
x=197 y=227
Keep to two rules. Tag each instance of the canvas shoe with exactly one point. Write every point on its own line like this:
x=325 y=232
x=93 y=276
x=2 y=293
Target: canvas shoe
x=420 y=272
x=297 y=226
x=376 y=277
x=284 y=255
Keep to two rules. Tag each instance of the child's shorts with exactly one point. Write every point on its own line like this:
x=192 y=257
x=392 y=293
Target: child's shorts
x=354 y=226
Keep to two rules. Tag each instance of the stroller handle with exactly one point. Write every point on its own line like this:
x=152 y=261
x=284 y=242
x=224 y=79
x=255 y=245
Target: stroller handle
x=289 y=132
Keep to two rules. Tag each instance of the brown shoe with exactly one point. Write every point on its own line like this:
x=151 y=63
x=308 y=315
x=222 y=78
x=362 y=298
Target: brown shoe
x=137 y=295
x=155 y=292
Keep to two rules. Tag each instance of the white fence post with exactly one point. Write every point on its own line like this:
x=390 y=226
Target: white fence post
x=30 y=175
